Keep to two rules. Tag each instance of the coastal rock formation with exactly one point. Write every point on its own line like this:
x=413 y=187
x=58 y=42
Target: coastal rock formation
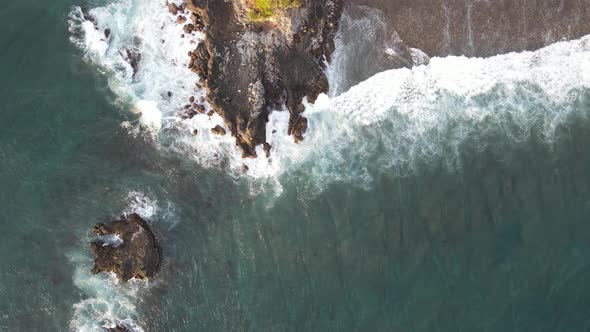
x=126 y=247
x=480 y=27
x=251 y=67
x=378 y=35
x=367 y=45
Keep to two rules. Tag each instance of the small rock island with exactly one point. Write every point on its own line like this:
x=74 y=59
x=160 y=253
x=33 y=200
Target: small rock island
x=126 y=247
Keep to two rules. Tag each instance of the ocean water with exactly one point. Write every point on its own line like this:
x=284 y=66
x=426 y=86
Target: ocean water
x=450 y=197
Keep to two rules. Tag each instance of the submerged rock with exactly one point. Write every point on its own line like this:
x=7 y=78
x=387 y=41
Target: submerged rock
x=266 y=147
x=135 y=254
x=133 y=57
x=118 y=328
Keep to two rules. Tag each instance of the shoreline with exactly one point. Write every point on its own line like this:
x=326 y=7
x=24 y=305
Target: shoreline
x=250 y=69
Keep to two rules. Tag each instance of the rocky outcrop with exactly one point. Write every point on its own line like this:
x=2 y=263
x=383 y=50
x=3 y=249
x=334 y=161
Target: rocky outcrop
x=126 y=247
x=482 y=27
x=118 y=328
x=218 y=130
x=367 y=45
x=250 y=68
x=378 y=35
x=133 y=57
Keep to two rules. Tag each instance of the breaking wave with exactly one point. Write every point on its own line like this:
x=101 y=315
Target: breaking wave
x=161 y=84
x=394 y=122
x=400 y=119
x=107 y=303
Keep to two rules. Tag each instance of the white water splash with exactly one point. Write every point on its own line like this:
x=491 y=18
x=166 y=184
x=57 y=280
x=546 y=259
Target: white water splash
x=400 y=118
x=142 y=204
x=149 y=208
x=389 y=123
x=151 y=116
x=107 y=302
x=110 y=240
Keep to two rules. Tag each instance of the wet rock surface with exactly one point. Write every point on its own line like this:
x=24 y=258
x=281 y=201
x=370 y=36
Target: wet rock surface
x=218 y=130
x=378 y=35
x=251 y=68
x=133 y=57
x=126 y=247
x=480 y=27
x=118 y=328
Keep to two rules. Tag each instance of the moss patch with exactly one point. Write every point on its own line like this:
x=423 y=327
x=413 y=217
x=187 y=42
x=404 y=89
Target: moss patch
x=261 y=10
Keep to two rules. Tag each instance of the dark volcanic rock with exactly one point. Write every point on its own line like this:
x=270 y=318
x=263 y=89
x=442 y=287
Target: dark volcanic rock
x=260 y=66
x=377 y=35
x=483 y=28
x=266 y=147
x=119 y=328
x=201 y=109
x=367 y=45
x=189 y=27
x=218 y=130
x=173 y=9
x=133 y=57
x=88 y=16
x=137 y=255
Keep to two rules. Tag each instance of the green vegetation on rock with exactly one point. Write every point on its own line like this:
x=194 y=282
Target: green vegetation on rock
x=265 y=9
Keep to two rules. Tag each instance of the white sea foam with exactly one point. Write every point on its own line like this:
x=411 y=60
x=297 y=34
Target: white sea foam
x=148 y=27
x=400 y=120
x=389 y=123
x=149 y=208
x=151 y=116
x=106 y=303
x=112 y=240
x=142 y=204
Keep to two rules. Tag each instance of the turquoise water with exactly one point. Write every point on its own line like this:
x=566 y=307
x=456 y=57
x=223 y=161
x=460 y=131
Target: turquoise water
x=489 y=233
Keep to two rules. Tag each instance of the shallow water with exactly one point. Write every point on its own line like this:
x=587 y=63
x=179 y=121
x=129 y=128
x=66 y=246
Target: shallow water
x=477 y=222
